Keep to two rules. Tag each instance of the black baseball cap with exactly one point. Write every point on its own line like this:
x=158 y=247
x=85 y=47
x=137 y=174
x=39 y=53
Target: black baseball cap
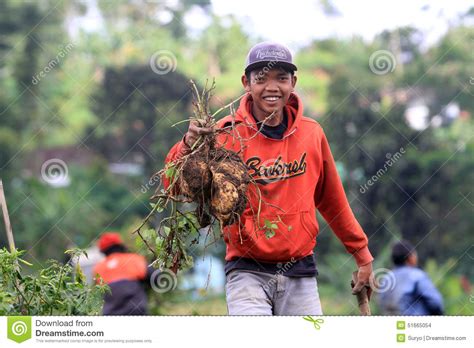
x=269 y=54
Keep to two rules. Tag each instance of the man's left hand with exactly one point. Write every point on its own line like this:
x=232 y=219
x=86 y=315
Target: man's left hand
x=365 y=278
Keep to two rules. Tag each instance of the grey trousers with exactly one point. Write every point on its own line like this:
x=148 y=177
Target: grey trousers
x=258 y=293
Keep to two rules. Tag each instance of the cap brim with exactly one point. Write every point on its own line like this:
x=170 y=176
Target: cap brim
x=261 y=65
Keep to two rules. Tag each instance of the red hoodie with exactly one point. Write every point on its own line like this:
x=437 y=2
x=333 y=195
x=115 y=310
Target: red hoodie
x=295 y=176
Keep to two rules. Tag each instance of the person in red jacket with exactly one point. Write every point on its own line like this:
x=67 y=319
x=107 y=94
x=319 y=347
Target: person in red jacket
x=126 y=274
x=272 y=271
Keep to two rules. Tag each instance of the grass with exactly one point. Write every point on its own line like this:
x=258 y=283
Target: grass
x=211 y=305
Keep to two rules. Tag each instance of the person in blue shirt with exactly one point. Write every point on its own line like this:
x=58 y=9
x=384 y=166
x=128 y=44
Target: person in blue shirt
x=409 y=290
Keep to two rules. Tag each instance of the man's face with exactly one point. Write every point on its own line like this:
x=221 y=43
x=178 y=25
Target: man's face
x=270 y=90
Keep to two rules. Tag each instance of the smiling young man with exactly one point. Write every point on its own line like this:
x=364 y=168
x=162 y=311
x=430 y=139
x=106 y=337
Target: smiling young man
x=270 y=266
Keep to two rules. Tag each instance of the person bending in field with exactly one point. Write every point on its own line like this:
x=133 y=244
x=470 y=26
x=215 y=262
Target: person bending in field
x=126 y=274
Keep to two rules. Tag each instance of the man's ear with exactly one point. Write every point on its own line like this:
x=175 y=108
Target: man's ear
x=245 y=83
x=293 y=81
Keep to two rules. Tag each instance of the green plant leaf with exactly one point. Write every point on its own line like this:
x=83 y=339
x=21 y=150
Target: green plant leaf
x=269 y=233
x=170 y=172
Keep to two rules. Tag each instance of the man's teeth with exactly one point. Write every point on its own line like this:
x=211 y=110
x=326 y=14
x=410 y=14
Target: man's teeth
x=271 y=98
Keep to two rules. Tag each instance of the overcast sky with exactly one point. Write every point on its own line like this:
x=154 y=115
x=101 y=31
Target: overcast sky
x=297 y=22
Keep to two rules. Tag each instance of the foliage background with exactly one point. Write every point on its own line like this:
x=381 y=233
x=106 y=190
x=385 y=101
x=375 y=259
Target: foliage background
x=100 y=102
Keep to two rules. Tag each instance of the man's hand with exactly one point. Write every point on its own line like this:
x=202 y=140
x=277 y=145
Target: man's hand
x=365 y=278
x=195 y=130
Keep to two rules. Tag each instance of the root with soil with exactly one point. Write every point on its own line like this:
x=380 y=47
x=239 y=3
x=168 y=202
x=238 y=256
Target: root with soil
x=212 y=177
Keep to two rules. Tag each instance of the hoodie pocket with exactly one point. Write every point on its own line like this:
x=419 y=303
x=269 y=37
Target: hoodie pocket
x=276 y=238
x=309 y=224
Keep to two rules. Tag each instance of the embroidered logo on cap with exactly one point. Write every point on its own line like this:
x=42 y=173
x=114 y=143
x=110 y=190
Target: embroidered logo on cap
x=273 y=53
